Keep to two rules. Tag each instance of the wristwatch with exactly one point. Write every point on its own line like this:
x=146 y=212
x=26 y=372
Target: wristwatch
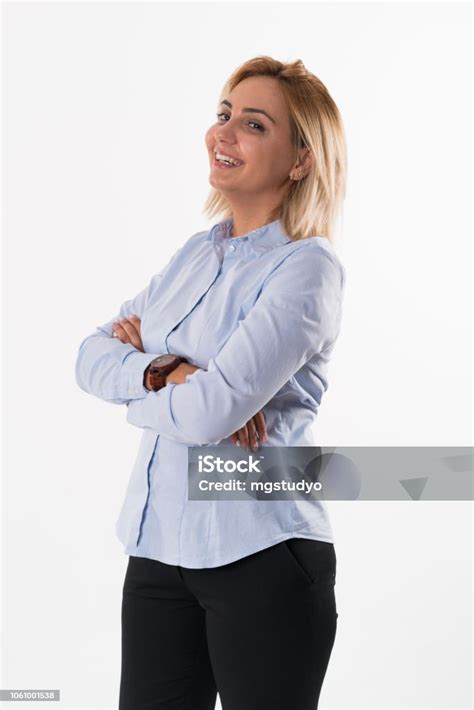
x=159 y=368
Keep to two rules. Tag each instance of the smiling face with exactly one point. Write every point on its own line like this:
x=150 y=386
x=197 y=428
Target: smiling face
x=259 y=140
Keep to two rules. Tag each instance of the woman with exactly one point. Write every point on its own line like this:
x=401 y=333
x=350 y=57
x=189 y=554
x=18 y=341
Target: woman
x=237 y=596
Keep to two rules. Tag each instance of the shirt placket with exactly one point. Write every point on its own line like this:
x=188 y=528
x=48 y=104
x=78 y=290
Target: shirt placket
x=208 y=280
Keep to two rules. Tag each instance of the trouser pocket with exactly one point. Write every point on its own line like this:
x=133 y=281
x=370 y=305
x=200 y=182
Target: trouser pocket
x=314 y=559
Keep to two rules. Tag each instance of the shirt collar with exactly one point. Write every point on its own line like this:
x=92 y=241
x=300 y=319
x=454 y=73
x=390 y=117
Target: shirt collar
x=262 y=239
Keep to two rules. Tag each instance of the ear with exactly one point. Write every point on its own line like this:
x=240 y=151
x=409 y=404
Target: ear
x=305 y=160
x=303 y=164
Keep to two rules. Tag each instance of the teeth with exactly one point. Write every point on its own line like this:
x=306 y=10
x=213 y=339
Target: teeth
x=226 y=159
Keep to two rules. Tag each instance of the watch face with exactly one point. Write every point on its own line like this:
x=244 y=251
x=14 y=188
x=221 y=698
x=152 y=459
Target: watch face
x=163 y=360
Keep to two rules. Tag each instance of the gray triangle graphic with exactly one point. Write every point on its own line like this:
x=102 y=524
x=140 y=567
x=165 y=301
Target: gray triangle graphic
x=414 y=487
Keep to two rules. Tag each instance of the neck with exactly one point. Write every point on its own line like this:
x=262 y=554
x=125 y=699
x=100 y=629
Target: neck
x=246 y=218
x=243 y=224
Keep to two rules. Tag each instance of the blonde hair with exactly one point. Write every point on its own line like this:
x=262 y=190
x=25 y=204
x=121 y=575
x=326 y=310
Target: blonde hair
x=314 y=203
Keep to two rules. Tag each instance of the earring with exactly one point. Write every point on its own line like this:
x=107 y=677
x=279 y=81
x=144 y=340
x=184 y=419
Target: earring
x=298 y=176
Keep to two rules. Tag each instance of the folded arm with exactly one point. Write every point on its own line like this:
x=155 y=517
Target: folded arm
x=296 y=316
x=109 y=369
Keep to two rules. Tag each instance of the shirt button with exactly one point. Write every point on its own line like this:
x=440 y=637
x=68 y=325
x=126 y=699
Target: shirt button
x=232 y=247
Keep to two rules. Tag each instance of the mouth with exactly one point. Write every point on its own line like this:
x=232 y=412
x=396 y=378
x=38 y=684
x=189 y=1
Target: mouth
x=225 y=162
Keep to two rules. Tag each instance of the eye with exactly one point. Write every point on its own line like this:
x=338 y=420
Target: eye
x=258 y=127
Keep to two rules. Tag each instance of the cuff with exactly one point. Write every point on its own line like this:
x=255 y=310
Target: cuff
x=132 y=371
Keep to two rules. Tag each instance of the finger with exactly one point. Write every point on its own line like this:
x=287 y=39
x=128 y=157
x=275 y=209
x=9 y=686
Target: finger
x=259 y=419
x=244 y=437
x=252 y=429
x=120 y=333
x=135 y=320
x=129 y=328
x=124 y=336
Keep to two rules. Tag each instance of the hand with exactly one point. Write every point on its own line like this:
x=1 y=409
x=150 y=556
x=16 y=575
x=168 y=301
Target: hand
x=127 y=330
x=179 y=374
x=176 y=376
x=249 y=435
x=246 y=437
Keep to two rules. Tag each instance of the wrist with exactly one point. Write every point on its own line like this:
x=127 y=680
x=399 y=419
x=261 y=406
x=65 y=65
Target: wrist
x=146 y=379
x=179 y=374
x=155 y=376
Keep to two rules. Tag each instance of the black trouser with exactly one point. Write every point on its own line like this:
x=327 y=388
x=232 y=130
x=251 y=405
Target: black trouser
x=259 y=631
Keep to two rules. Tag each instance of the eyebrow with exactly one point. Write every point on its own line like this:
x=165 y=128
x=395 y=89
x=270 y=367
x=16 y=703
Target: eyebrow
x=252 y=110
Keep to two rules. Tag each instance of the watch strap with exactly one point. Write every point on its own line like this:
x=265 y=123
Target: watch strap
x=159 y=368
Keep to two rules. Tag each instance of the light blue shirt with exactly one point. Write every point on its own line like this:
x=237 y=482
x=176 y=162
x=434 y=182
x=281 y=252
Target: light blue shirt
x=261 y=314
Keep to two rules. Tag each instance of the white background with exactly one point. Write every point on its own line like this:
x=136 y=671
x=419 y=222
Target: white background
x=105 y=106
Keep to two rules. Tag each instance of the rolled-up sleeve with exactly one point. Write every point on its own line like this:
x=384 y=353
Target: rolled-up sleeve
x=296 y=316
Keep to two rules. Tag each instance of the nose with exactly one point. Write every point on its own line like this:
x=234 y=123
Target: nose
x=224 y=132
